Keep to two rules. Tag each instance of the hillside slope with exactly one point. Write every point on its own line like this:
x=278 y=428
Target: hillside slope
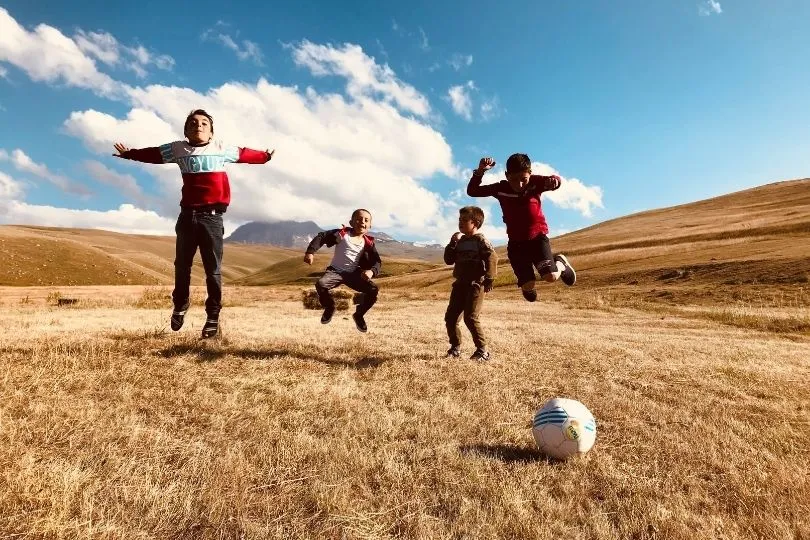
x=57 y=256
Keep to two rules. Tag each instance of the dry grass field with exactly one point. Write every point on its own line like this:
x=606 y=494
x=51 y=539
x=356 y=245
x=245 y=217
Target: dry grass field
x=113 y=427
x=687 y=335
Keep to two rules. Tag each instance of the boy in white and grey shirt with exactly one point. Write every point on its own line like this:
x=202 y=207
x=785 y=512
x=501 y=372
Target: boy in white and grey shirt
x=355 y=263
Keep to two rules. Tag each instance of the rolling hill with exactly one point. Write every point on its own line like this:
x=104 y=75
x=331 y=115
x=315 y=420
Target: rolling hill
x=57 y=256
x=733 y=247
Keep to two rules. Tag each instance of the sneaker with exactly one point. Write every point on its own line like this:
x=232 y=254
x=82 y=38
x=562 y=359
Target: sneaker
x=568 y=275
x=359 y=322
x=327 y=315
x=178 y=315
x=454 y=351
x=210 y=328
x=530 y=295
x=481 y=355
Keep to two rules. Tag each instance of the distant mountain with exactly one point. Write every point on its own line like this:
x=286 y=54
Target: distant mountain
x=290 y=234
x=297 y=235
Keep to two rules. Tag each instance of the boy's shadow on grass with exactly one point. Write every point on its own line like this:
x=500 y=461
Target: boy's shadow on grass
x=508 y=453
x=206 y=353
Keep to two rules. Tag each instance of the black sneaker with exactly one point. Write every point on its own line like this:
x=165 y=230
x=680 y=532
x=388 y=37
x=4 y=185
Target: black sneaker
x=359 y=322
x=454 y=351
x=327 y=315
x=530 y=295
x=568 y=275
x=178 y=315
x=481 y=355
x=211 y=327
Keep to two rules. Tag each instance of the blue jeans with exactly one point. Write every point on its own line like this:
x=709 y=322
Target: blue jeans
x=204 y=230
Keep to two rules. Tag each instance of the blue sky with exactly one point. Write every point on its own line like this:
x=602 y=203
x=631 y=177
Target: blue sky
x=388 y=105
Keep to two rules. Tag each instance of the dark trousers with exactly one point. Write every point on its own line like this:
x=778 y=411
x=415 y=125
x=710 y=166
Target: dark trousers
x=466 y=298
x=332 y=278
x=204 y=230
x=526 y=255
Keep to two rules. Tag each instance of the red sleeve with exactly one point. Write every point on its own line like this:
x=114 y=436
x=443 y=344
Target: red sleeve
x=475 y=189
x=247 y=155
x=546 y=183
x=144 y=155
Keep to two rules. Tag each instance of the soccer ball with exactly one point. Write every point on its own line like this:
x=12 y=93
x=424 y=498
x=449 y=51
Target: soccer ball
x=563 y=428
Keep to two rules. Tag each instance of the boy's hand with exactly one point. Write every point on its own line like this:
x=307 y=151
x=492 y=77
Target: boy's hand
x=456 y=237
x=308 y=258
x=121 y=149
x=367 y=275
x=487 y=285
x=486 y=164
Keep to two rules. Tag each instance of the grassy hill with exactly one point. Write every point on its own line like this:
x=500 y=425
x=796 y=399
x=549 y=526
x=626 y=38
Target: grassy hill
x=753 y=242
x=295 y=271
x=58 y=256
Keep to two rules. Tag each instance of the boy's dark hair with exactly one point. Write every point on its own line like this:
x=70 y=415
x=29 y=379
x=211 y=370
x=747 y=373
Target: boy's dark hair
x=475 y=214
x=360 y=210
x=200 y=112
x=518 y=163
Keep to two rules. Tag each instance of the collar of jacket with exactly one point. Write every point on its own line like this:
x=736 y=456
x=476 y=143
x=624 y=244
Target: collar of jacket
x=367 y=238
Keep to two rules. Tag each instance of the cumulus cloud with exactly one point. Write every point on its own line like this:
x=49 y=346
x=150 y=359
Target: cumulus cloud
x=245 y=50
x=126 y=184
x=365 y=77
x=22 y=162
x=710 y=7
x=460 y=99
x=9 y=188
x=47 y=55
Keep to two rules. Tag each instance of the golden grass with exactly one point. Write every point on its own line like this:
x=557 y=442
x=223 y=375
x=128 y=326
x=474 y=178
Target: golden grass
x=112 y=427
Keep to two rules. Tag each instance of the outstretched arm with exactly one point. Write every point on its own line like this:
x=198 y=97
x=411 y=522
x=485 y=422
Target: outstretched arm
x=547 y=183
x=474 y=187
x=257 y=157
x=144 y=155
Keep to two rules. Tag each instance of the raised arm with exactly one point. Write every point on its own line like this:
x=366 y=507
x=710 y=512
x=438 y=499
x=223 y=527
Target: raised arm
x=474 y=187
x=152 y=154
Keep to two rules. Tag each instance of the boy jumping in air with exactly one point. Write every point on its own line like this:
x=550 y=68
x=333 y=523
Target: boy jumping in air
x=206 y=195
x=528 y=247
x=355 y=263
x=476 y=265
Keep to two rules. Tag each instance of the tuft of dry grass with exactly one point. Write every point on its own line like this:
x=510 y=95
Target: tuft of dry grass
x=342 y=297
x=112 y=427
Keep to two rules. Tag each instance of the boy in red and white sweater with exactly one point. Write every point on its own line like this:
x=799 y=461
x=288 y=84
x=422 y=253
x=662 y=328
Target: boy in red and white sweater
x=206 y=194
x=528 y=247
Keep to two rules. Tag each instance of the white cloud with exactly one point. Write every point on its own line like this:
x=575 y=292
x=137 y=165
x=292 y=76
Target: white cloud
x=47 y=55
x=365 y=78
x=490 y=108
x=3 y=73
x=23 y=163
x=458 y=61
x=125 y=219
x=248 y=50
x=461 y=100
x=106 y=48
x=125 y=183
x=710 y=7
x=424 y=44
x=9 y=188
x=572 y=193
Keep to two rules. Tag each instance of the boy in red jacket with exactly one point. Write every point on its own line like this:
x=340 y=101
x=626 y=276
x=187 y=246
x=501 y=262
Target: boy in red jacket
x=206 y=195
x=528 y=247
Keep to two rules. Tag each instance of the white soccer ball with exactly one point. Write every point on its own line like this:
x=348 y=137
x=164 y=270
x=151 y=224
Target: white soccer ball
x=564 y=428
